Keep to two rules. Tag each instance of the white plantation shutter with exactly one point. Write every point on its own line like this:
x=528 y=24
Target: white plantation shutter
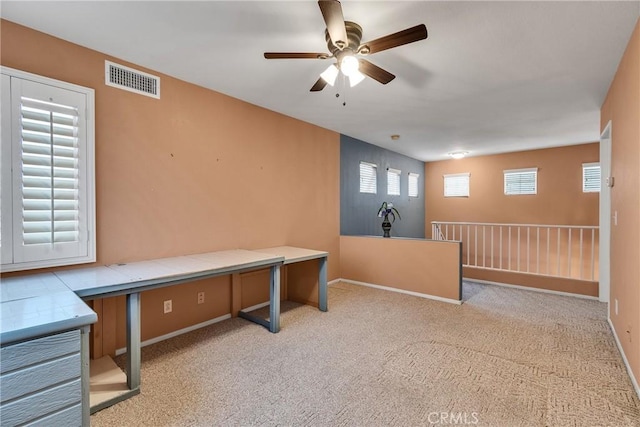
x=50 y=169
x=52 y=174
x=456 y=185
x=591 y=177
x=413 y=184
x=368 y=181
x=521 y=181
x=393 y=182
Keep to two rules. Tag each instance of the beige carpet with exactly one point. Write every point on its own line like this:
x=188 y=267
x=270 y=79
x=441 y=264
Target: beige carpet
x=506 y=357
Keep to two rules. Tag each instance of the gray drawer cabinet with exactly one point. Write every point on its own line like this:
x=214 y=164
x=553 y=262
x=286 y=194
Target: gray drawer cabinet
x=41 y=381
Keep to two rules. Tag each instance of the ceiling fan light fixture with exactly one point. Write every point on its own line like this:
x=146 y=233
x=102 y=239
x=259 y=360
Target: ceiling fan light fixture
x=329 y=75
x=355 y=78
x=349 y=65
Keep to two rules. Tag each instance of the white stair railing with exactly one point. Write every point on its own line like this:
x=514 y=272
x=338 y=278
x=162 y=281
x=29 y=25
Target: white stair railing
x=568 y=251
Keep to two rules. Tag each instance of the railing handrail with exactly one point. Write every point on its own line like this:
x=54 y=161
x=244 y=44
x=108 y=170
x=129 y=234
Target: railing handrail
x=588 y=227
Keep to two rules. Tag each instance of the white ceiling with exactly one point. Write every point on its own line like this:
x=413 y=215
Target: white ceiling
x=492 y=77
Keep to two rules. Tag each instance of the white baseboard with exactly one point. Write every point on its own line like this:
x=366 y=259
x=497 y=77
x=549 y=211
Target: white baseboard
x=257 y=306
x=402 y=291
x=624 y=358
x=333 y=282
x=527 y=288
x=178 y=332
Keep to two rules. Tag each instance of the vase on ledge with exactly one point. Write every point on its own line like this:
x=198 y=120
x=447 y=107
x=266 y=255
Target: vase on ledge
x=386 y=227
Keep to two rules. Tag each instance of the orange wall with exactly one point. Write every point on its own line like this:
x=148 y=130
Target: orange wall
x=195 y=171
x=560 y=199
x=424 y=266
x=622 y=108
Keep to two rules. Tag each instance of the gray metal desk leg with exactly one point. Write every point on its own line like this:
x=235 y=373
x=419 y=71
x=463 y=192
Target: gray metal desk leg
x=322 y=284
x=85 y=379
x=133 y=341
x=274 y=295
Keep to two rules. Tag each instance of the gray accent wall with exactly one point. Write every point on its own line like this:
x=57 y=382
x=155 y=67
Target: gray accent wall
x=358 y=211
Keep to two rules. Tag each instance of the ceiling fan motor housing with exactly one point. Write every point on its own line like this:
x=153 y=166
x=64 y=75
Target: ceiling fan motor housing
x=354 y=36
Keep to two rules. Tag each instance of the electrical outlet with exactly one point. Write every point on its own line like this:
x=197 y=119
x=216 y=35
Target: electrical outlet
x=200 y=297
x=616 y=306
x=168 y=306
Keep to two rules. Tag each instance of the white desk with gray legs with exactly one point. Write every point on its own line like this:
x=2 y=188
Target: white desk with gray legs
x=69 y=312
x=132 y=278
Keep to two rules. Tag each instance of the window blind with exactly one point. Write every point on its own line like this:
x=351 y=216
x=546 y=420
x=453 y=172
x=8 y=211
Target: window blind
x=368 y=181
x=413 y=184
x=521 y=181
x=456 y=185
x=50 y=207
x=591 y=177
x=393 y=182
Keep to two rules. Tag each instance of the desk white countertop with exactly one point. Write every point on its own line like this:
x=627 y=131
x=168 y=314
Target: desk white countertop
x=41 y=304
x=37 y=305
x=138 y=276
x=292 y=254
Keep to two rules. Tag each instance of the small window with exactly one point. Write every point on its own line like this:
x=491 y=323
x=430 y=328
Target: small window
x=47 y=211
x=591 y=177
x=413 y=184
x=393 y=182
x=456 y=185
x=368 y=182
x=521 y=181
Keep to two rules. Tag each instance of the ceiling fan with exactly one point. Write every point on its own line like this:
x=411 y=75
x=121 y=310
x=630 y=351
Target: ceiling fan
x=343 y=40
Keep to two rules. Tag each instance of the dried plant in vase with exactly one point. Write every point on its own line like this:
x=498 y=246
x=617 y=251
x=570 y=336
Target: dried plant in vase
x=387 y=210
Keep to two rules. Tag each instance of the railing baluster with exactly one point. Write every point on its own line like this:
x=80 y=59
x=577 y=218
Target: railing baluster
x=569 y=272
x=548 y=250
x=476 y=247
x=468 y=245
x=518 y=260
x=593 y=250
x=509 y=243
x=500 y=247
x=558 y=274
x=492 y=246
x=538 y=250
x=580 y=253
x=528 y=245
x=484 y=239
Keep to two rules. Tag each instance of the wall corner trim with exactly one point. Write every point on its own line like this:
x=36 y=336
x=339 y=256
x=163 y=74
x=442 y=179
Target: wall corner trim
x=624 y=358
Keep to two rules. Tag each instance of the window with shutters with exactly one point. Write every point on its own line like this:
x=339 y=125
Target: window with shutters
x=456 y=185
x=368 y=181
x=413 y=184
x=47 y=198
x=521 y=181
x=591 y=177
x=393 y=182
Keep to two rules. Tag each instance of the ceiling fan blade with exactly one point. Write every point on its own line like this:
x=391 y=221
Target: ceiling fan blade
x=332 y=14
x=410 y=35
x=295 y=55
x=375 y=72
x=319 y=85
